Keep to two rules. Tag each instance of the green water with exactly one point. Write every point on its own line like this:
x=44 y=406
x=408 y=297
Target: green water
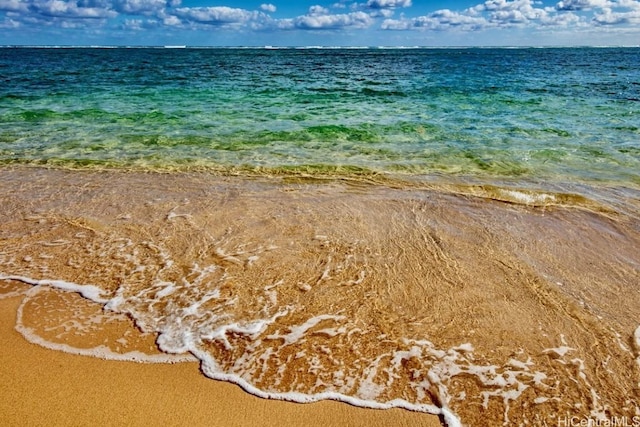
x=552 y=115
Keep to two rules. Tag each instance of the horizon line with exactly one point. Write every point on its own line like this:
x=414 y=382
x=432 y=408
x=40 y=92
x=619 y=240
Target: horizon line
x=311 y=47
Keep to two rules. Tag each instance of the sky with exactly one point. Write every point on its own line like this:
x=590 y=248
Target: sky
x=320 y=23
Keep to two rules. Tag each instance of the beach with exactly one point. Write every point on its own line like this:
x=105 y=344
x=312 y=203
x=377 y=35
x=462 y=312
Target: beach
x=414 y=235
x=44 y=387
x=413 y=297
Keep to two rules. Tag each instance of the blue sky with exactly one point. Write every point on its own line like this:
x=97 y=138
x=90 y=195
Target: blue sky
x=318 y=22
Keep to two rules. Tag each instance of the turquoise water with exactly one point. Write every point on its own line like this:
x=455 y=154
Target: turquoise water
x=556 y=115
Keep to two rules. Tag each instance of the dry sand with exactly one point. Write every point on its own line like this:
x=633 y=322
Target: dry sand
x=45 y=387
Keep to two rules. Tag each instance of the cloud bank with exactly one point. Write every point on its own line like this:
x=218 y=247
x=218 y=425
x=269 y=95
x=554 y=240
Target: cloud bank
x=376 y=15
x=524 y=13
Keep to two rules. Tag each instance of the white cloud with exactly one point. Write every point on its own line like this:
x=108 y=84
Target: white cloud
x=65 y=14
x=560 y=20
x=582 y=4
x=268 y=7
x=218 y=15
x=603 y=16
x=493 y=5
x=10 y=24
x=438 y=21
x=171 y=21
x=509 y=12
x=14 y=5
x=524 y=13
x=321 y=18
x=133 y=24
x=317 y=21
x=609 y=17
x=630 y=4
x=318 y=10
x=62 y=9
x=135 y=7
x=382 y=13
x=388 y=4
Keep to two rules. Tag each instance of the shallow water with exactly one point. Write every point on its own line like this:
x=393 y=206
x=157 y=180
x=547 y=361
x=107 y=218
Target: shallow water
x=487 y=312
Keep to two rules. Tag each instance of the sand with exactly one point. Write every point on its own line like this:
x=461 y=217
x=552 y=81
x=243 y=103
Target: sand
x=507 y=311
x=45 y=387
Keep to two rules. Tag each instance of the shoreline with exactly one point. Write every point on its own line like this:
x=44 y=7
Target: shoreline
x=479 y=287
x=599 y=197
x=42 y=386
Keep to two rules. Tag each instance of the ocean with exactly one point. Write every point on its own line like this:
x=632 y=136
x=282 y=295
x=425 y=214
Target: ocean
x=531 y=114
x=452 y=231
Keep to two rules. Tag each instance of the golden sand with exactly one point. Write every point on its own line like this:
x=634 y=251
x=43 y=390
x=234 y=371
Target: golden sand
x=503 y=312
x=45 y=387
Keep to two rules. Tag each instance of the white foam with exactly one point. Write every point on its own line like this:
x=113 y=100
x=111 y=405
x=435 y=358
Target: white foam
x=558 y=351
x=232 y=258
x=331 y=332
x=12 y=294
x=361 y=276
x=368 y=388
x=529 y=198
x=177 y=336
x=210 y=369
x=169 y=288
x=171 y=215
x=597 y=409
x=182 y=328
x=467 y=347
x=59 y=242
x=250 y=329
x=101 y=351
x=520 y=365
x=297 y=332
x=90 y=292
x=95 y=294
x=621 y=344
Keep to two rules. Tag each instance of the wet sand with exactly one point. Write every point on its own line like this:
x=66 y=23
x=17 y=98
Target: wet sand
x=46 y=387
x=519 y=310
